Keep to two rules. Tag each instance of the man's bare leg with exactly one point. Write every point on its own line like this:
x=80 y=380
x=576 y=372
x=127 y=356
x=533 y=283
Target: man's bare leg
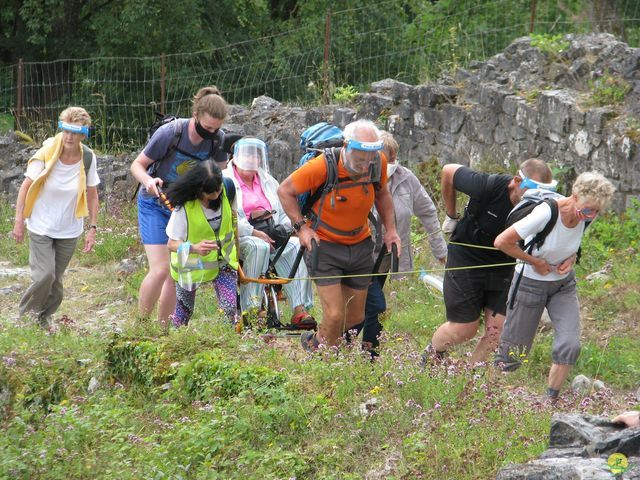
x=450 y=334
x=489 y=341
x=342 y=308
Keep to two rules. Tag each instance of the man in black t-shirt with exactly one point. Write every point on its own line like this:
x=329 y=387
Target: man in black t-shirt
x=470 y=291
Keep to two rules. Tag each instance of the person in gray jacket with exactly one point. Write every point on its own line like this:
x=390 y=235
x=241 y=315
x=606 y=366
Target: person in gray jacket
x=409 y=199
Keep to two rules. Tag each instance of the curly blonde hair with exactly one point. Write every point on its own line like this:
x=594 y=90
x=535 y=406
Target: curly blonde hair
x=209 y=100
x=76 y=115
x=594 y=188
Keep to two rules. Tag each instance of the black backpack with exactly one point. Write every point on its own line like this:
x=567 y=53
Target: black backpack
x=477 y=226
x=524 y=208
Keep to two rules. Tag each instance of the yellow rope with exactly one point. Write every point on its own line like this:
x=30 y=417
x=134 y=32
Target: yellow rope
x=410 y=272
x=473 y=246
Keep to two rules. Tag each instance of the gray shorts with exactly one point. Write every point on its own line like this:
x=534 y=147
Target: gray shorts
x=338 y=260
x=520 y=327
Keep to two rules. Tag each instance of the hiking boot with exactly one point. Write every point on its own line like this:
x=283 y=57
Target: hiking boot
x=44 y=321
x=309 y=342
x=430 y=355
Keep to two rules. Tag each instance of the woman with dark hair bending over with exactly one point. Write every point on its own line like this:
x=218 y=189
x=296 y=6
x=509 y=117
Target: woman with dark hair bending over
x=202 y=240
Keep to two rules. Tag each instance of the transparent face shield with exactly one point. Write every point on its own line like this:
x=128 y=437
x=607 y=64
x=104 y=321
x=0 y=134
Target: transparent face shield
x=251 y=154
x=361 y=157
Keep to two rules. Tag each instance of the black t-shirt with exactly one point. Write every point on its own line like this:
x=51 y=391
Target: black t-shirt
x=484 y=217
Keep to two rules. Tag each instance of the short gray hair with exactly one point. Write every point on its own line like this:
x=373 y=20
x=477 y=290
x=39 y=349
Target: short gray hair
x=351 y=130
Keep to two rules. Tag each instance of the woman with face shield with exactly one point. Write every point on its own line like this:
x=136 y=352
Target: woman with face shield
x=263 y=228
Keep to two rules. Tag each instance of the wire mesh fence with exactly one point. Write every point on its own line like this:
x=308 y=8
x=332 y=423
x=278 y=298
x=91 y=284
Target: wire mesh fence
x=354 y=47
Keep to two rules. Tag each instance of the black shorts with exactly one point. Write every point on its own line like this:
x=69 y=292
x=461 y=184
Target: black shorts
x=467 y=292
x=336 y=260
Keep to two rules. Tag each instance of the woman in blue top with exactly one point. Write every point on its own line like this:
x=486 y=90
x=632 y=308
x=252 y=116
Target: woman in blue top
x=175 y=148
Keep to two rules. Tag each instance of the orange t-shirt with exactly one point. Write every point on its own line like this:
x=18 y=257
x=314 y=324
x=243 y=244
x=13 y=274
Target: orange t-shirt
x=345 y=208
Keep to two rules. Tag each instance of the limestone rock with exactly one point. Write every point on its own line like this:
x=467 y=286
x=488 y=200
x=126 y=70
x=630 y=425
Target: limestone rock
x=581 y=385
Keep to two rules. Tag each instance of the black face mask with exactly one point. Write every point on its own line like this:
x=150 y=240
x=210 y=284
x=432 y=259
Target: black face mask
x=204 y=133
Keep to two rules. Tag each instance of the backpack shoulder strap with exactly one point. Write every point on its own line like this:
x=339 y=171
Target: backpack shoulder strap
x=329 y=183
x=538 y=240
x=215 y=144
x=488 y=189
x=332 y=168
x=541 y=236
x=230 y=188
x=87 y=157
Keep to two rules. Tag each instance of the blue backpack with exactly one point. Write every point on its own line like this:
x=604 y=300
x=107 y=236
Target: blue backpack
x=320 y=138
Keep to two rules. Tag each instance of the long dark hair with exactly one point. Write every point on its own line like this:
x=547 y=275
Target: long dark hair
x=205 y=177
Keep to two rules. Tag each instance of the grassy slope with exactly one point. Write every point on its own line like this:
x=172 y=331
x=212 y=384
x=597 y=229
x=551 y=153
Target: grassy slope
x=204 y=402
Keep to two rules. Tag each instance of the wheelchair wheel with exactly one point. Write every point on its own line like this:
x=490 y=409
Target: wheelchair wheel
x=270 y=305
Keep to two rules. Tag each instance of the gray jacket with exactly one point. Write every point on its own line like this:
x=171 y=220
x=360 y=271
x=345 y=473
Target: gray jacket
x=409 y=199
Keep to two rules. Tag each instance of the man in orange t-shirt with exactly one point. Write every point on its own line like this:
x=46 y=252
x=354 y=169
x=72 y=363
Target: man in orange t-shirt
x=341 y=227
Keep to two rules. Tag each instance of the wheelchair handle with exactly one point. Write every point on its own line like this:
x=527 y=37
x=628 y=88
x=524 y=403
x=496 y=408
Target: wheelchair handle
x=381 y=254
x=394 y=258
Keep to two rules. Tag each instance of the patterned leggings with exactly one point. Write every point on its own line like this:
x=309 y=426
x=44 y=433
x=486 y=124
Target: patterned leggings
x=226 y=287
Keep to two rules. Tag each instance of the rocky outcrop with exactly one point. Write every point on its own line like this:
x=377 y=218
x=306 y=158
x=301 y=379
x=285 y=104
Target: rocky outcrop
x=520 y=103
x=580 y=448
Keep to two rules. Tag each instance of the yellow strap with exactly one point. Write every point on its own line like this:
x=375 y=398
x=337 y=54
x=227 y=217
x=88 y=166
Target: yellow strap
x=411 y=272
x=473 y=246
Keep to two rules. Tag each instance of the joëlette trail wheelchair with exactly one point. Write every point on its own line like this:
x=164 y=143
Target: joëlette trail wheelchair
x=271 y=295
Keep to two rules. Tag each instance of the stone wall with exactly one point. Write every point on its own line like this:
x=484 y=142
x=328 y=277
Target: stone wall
x=518 y=104
x=579 y=449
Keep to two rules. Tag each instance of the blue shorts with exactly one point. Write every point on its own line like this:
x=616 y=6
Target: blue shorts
x=153 y=217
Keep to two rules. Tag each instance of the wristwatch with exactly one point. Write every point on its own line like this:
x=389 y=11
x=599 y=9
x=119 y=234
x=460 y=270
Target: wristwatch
x=298 y=225
x=94 y=226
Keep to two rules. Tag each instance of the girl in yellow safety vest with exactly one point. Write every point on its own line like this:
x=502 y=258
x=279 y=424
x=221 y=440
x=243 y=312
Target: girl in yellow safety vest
x=201 y=239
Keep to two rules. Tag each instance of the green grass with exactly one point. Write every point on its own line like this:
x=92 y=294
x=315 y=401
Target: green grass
x=6 y=122
x=205 y=403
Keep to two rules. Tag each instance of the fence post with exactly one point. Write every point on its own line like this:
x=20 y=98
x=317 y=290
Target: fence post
x=532 y=22
x=163 y=86
x=19 y=94
x=327 y=46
